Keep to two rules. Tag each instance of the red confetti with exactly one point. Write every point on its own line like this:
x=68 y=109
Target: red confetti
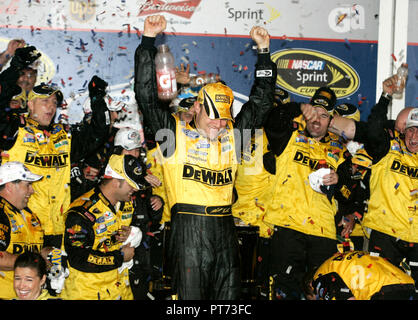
x=90 y=57
x=393 y=57
x=122 y=48
x=369 y=266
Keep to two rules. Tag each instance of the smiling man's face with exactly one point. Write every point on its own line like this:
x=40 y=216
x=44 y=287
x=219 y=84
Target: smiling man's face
x=43 y=109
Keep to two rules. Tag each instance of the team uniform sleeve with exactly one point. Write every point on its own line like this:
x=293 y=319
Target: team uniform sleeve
x=79 y=238
x=5 y=231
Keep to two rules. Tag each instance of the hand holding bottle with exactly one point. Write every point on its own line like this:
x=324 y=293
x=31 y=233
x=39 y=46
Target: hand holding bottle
x=401 y=74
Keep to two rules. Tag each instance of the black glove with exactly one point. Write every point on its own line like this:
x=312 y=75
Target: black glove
x=24 y=57
x=97 y=87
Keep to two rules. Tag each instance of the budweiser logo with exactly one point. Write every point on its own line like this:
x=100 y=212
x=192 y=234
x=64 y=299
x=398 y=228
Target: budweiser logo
x=183 y=9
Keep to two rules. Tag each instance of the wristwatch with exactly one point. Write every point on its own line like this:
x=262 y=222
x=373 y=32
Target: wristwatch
x=263 y=50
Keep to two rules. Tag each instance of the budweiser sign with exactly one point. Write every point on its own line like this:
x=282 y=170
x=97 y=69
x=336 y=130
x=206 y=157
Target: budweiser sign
x=183 y=9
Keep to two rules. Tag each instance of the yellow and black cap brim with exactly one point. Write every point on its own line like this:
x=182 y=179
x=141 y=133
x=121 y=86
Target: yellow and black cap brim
x=348 y=110
x=186 y=103
x=45 y=91
x=325 y=98
x=128 y=168
x=18 y=94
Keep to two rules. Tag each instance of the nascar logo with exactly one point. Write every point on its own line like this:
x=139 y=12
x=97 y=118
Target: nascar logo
x=303 y=71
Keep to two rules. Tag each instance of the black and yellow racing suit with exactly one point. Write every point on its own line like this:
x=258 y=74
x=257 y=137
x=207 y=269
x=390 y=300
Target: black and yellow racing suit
x=203 y=244
x=94 y=255
x=20 y=231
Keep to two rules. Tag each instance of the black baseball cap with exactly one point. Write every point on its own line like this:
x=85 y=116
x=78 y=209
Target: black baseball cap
x=325 y=98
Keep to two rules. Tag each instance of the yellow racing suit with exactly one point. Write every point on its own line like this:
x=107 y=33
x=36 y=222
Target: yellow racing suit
x=154 y=162
x=250 y=184
x=45 y=153
x=294 y=204
x=203 y=243
x=49 y=151
x=392 y=206
x=20 y=231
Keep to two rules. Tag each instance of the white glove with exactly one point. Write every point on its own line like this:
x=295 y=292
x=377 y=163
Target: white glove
x=134 y=239
x=353 y=146
x=315 y=178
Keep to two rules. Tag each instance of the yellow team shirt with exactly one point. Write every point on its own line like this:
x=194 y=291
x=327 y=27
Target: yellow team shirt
x=25 y=233
x=47 y=154
x=392 y=207
x=294 y=204
x=200 y=172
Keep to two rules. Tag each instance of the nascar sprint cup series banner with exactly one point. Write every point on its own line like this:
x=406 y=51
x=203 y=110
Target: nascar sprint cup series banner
x=313 y=44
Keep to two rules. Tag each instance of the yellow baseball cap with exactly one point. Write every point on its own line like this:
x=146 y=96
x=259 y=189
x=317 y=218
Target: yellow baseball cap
x=45 y=91
x=126 y=167
x=217 y=99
